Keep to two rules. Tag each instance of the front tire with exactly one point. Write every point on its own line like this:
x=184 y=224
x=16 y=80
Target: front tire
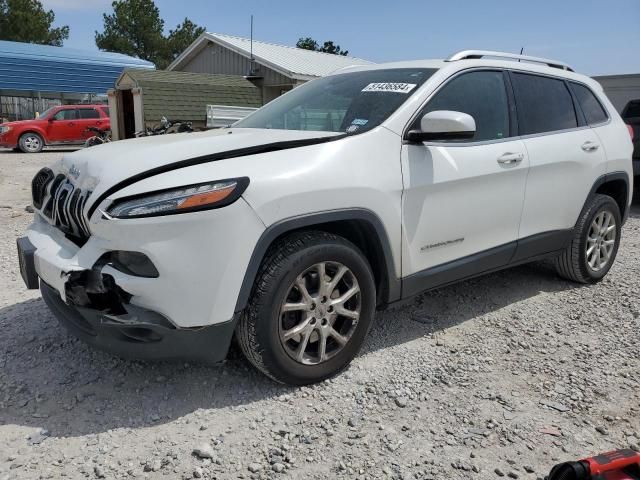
x=31 y=143
x=594 y=246
x=310 y=309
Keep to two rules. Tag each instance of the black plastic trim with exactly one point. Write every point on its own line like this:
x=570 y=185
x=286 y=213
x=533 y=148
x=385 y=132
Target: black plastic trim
x=608 y=177
x=527 y=249
x=457 y=270
x=141 y=334
x=26 y=258
x=296 y=223
x=241 y=152
x=241 y=185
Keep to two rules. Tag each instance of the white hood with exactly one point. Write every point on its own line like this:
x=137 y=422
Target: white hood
x=99 y=168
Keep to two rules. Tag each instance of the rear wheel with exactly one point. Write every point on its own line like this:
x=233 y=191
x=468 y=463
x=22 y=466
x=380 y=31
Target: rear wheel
x=310 y=309
x=595 y=242
x=31 y=143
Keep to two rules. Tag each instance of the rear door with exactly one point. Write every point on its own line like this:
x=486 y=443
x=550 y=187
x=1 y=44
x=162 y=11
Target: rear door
x=565 y=154
x=88 y=117
x=463 y=199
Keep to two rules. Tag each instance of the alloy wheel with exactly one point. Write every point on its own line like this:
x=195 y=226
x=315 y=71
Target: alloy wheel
x=601 y=240
x=320 y=313
x=32 y=143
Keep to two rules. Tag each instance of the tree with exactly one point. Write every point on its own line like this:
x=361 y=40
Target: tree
x=136 y=28
x=309 y=43
x=180 y=38
x=27 y=21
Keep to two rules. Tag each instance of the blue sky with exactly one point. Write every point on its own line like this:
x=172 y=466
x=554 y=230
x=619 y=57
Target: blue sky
x=595 y=36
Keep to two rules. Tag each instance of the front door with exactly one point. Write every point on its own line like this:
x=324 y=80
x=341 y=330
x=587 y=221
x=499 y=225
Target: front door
x=63 y=126
x=462 y=201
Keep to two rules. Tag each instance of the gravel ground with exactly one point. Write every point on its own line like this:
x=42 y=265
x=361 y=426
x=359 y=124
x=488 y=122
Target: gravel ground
x=503 y=375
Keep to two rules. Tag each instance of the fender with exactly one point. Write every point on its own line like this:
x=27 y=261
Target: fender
x=607 y=177
x=295 y=223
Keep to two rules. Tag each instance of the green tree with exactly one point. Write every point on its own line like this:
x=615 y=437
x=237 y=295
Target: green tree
x=179 y=39
x=27 y=21
x=309 y=43
x=136 y=28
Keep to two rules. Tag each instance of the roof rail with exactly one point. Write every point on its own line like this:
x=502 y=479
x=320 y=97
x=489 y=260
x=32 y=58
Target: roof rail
x=475 y=54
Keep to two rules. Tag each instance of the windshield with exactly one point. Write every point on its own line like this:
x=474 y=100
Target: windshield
x=45 y=115
x=348 y=102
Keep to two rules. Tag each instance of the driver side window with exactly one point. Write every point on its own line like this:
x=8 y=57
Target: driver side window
x=483 y=95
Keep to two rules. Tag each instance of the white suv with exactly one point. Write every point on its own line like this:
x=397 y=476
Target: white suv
x=290 y=228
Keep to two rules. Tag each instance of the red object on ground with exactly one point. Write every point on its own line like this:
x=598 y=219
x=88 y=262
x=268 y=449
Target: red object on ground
x=615 y=465
x=63 y=125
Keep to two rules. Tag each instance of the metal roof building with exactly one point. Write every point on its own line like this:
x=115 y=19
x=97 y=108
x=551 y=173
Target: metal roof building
x=275 y=68
x=26 y=67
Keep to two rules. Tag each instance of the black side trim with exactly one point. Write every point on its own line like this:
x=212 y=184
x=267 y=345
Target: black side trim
x=540 y=244
x=296 y=223
x=241 y=152
x=608 y=177
x=457 y=270
x=528 y=249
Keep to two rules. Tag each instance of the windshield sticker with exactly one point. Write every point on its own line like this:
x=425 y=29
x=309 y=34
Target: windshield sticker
x=390 y=87
x=352 y=128
x=361 y=122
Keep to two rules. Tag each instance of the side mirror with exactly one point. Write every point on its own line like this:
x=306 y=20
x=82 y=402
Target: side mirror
x=443 y=125
x=51 y=119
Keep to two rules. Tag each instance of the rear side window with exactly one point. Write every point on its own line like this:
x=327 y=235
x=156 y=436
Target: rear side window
x=591 y=107
x=544 y=104
x=480 y=94
x=105 y=110
x=86 y=113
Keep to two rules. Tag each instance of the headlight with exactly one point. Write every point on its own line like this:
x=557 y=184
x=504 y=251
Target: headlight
x=4 y=129
x=203 y=196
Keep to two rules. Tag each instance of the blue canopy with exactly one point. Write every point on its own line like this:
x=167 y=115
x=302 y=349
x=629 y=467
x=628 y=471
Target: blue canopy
x=42 y=68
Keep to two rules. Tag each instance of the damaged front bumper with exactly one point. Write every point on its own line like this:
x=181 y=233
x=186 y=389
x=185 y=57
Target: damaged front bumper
x=97 y=311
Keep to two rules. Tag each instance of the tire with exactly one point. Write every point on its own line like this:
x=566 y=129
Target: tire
x=264 y=332
x=31 y=143
x=575 y=262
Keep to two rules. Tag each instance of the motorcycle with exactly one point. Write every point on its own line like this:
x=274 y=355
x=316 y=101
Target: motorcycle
x=165 y=127
x=98 y=138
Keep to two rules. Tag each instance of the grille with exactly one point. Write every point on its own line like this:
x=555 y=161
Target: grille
x=61 y=202
x=38 y=184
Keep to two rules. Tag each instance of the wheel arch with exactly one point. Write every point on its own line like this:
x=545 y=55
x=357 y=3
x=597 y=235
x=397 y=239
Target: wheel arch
x=615 y=185
x=32 y=130
x=360 y=226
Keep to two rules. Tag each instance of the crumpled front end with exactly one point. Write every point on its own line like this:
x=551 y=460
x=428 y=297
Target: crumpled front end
x=161 y=287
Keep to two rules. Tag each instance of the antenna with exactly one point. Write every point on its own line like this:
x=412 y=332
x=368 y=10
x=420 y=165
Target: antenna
x=521 y=51
x=251 y=48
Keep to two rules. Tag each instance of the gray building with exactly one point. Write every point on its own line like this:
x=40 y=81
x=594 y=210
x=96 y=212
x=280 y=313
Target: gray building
x=620 y=88
x=274 y=68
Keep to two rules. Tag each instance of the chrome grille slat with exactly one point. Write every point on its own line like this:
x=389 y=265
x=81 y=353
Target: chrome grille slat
x=63 y=204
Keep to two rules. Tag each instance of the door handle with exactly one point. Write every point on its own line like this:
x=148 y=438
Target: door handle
x=510 y=158
x=590 y=146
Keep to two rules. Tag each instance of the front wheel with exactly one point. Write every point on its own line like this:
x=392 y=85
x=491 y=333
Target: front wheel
x=595 y=242
x=31 y=143
x=310 y=309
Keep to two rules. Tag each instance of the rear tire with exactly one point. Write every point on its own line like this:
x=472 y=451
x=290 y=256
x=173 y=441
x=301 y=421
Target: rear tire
x=31 y=143
x=310 y=308
x=594 y=246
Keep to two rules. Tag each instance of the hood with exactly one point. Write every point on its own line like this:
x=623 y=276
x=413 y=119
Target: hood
x=102 y=168
x=18 y=123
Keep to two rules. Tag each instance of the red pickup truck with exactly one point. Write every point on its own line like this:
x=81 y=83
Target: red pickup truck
x=63 y=125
